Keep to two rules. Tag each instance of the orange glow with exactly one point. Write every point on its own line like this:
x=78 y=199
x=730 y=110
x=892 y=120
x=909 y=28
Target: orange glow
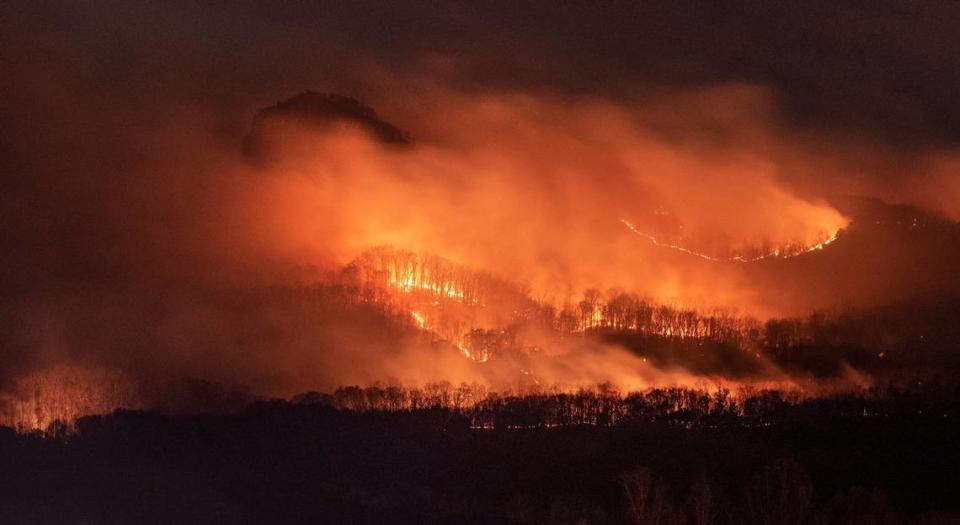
x=527 y=189
x=64 y=393
x=510 y=203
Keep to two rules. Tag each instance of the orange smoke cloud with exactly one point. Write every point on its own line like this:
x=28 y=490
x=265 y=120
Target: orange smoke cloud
x=535 y=188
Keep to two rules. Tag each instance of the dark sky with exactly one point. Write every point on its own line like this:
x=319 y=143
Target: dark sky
x=887 y=68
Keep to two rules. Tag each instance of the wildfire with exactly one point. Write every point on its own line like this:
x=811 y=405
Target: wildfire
x=778 y=253
x=411 y=282
x=481 y=358
x=64 y=393
x=478 y=357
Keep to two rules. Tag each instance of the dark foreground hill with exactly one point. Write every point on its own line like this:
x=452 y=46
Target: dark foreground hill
x=888 y=457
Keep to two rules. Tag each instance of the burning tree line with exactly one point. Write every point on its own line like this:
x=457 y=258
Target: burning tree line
x=485 y=316
x=453 y=301
x=721 y=249
x=57 y=396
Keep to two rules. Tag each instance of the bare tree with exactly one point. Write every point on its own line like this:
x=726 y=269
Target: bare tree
x=702 y=502
x=649 y=500
x=781 y=494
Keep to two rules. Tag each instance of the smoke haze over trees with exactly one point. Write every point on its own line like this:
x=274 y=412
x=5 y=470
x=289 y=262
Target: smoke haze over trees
x=143 y=241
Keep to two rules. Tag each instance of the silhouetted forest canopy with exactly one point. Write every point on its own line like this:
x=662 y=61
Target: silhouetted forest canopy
x=443 y=453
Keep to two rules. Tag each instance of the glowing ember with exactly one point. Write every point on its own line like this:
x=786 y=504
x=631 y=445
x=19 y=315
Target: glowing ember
x=420 y=319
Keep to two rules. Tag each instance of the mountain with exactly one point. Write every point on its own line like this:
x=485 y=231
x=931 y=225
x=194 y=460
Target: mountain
x=887 y=253
x=322 y=111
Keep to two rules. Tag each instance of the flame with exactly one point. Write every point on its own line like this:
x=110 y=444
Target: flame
x=780 y=253
x=64 y=393
x=479 y=357
x=414 y=281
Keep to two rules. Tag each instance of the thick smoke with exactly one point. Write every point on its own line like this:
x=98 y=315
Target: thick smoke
x=541 y=185
x=140 y=236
